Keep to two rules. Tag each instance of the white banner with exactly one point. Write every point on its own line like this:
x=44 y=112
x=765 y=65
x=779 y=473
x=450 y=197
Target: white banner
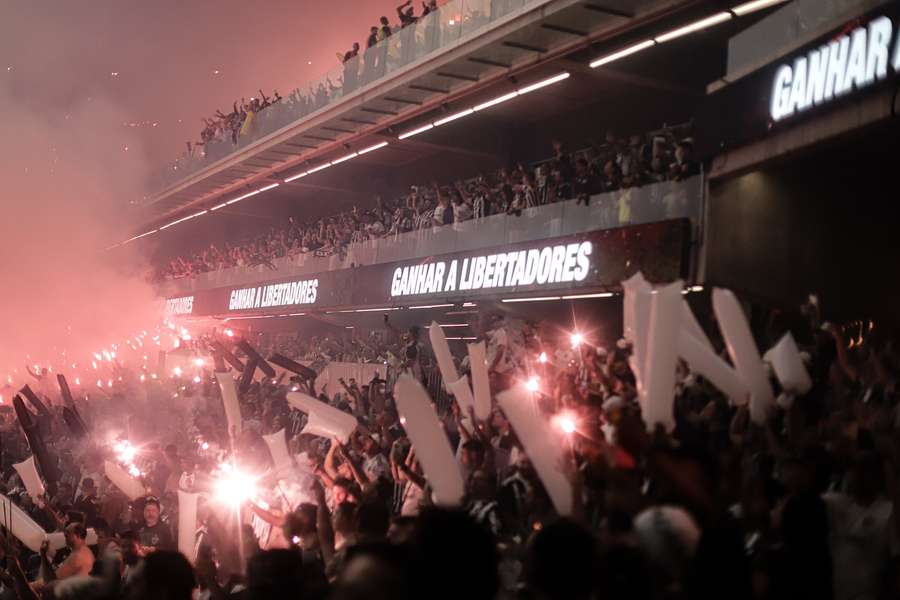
x=323 y=420
x=29 y=475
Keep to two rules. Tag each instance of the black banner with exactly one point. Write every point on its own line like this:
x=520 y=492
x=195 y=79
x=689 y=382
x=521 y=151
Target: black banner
x=856 y=58
x=594 y=261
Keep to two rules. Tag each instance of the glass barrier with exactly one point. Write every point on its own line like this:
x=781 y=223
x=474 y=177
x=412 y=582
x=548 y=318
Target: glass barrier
x=447 y=25
x=634 y=206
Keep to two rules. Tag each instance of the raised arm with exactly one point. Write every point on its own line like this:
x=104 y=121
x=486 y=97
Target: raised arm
x=408 y=468
x=361 y=478
x=268 y=517
x=323 y=523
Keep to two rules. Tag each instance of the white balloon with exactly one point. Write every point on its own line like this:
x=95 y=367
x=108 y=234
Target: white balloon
x=463 y=394
x=429 y=441
x=631 y=286
x=187 y=524
x=281 y=457
x=542 y=444
x=659 y=372
x=230 y=401
x=704 y=361
x=480 y=380
x=744 y=353
x=636 y=310
x=442 y=353
x=131 y=487
x=690 y=324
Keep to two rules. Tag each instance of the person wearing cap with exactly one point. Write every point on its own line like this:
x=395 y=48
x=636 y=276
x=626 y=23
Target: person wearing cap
x=155 y=534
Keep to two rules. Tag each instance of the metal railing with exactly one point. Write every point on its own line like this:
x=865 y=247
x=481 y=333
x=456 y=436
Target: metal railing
x=450 y=23
x=632 y=206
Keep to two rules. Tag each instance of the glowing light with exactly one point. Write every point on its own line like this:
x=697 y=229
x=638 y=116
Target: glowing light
x=582 y=296
x=142 y=378
x=544 y=83
x=229 y=333
x=153 y=376
x=176 y=371
x=109 y=383
x=417 y=131
x=372 y=148
x=77 y=381
x=695 y=26
x=453 y=117
x=204 y=446
x=538 y=299
x=749 y=7
x=197 y=379
x=532 y=385
x=566 y=422
x=234 y=487
x=199 y=362
x=134 y=471
x=295 y=177
x=239 y=198
x=577 y=339
x=344 y=158
x=622 y=53
x=125 y=452
x=495 y=101
x=542 y=358
x=295 y=539
x=319 y=168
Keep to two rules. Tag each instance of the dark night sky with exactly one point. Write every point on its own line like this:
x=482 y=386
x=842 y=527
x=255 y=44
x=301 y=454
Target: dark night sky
x=54 y=53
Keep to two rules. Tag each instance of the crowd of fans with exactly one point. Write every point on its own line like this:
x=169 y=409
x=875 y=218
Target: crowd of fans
x=802 y=506
x=615 y=164
x=222 y=132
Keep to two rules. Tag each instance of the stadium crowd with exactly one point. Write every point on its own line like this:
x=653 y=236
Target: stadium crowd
x=616 y=164
x=222 y=132
x=801 y=506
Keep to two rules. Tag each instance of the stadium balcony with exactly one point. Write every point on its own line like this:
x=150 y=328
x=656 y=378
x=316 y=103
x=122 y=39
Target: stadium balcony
x=464 y=47
x=630 y=208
